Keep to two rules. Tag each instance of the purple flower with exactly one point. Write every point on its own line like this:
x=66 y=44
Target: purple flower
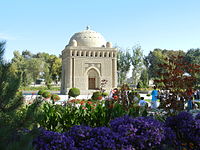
x=79 y=133
x=140 y=132
x=49 y=140
x=100 y=138
x=197 y=116
x=186 y=128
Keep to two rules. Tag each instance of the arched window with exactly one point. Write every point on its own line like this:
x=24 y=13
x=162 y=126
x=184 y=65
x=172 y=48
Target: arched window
x=87 y=54
x=93 y=79
x=101 y=54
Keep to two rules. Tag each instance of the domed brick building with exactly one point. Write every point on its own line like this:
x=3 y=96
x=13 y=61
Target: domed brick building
x=86 y=61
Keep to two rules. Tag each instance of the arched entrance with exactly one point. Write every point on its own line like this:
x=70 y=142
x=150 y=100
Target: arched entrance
x=93 y=79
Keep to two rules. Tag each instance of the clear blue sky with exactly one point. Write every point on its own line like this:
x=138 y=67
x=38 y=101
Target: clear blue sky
x=47 y=25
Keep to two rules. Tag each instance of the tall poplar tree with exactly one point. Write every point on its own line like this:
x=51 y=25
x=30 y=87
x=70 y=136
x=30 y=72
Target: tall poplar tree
x=123 y=65
x=137 y=62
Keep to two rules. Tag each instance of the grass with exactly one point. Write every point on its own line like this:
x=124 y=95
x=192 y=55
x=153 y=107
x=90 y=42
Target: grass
x=149 y=100
x=36 y=88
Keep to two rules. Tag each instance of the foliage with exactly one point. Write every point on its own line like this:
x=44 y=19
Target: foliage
x=141 y=132
x=40 y=92
x=123 y=65
x=16 y=140
x=144 y=80
x=29 y=68
x=93 y=138
x=61 y=118
x=13 y=117
x=74 y=92
x=158 y=56
x=104 y=94
x=2 y=50
x=54 y=65
x=177 y=132
x=132 y=95
x=193 y=57
x=148 y=94
x=36 y=88
x=34 y=66
x=46 y=94
x=173 y=78
x=58 y=141
x=186 y=129
x=55 y=97
x=9 y=83
x=137 y=63
x=19 y=66
x=97 y=95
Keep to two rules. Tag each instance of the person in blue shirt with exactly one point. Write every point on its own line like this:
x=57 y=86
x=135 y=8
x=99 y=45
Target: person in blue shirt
x=190 y=103
x=154 y=99
x=142 y=102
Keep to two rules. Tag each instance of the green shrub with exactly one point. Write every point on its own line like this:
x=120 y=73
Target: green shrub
x=74 y=92
x=46 y=94
x=104 y=94
x=36 y=88
x=40 y=92
x=55 y=97
x=97 y=95
x=148 y=95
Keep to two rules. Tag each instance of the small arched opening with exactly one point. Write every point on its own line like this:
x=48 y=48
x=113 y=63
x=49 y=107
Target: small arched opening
x=93 y=79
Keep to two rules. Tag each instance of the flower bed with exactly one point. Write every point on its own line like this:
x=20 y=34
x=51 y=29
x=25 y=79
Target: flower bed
x=141 y=133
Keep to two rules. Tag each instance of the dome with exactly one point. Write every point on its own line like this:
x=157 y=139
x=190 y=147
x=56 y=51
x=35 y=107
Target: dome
x=88 y=38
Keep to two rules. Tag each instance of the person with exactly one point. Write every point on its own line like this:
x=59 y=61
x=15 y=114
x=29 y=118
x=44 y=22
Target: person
x=195 y=94
x=198 y=94
x=190 y=103
x=142 y=102
x=154 y=99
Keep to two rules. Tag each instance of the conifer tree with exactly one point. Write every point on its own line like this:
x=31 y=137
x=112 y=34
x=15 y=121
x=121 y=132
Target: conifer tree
x=10 y=99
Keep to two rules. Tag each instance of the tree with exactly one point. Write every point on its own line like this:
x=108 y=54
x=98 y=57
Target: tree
x=19 y=66
x=30 y=67
x=178 y=77
x=27 y=54
x=137 y=63
x=2 y=50
x=193 y=57
x=13 y=123
x=56 y=69
x=144 y=80
x=9 y=84
x=156 y=57
x=35 y=66
x=54 y=66
x=123 y=65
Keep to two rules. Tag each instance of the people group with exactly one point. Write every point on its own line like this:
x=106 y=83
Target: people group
x=196 y=94
x=131 y=97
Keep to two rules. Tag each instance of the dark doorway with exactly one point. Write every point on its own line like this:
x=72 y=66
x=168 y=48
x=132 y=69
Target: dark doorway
x=91 y=82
